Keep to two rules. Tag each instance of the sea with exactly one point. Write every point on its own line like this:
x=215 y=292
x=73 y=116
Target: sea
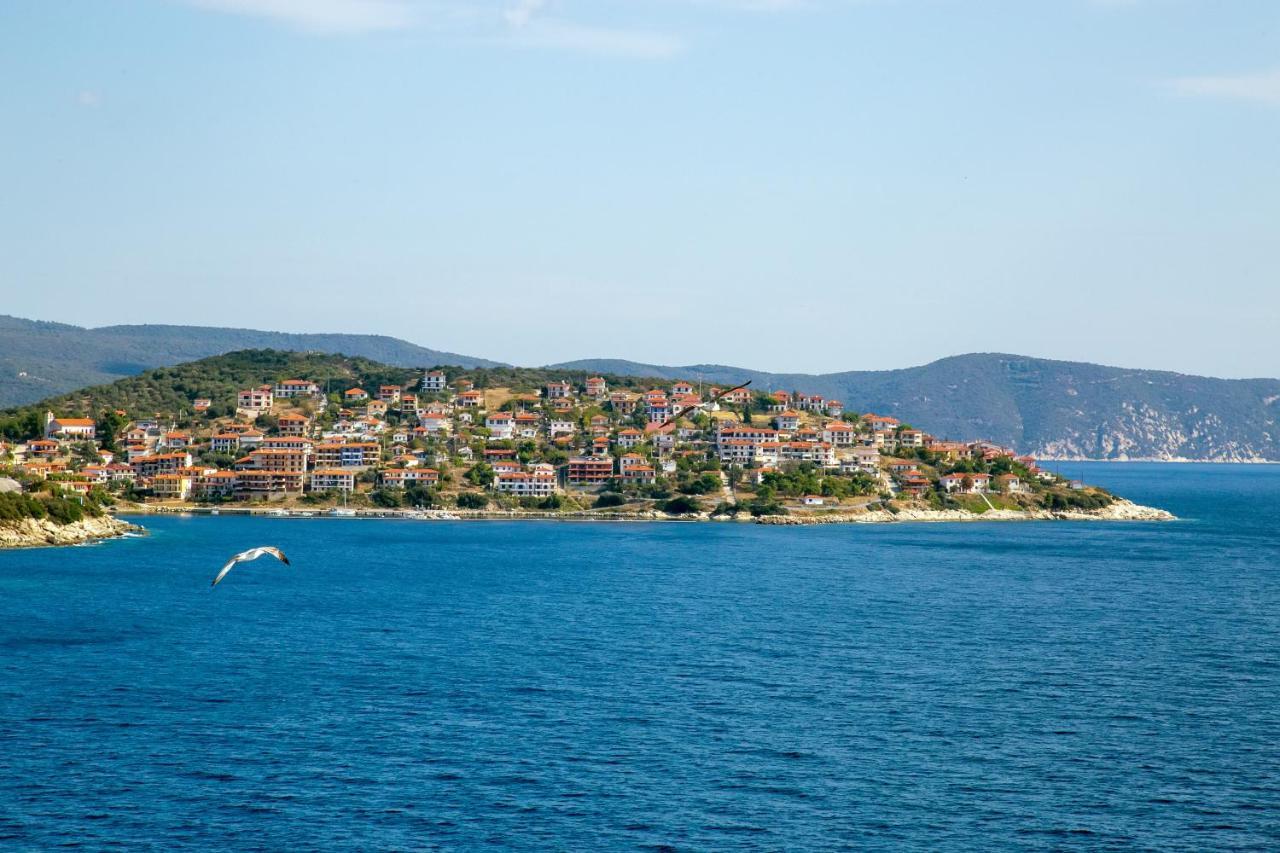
x=416 y=684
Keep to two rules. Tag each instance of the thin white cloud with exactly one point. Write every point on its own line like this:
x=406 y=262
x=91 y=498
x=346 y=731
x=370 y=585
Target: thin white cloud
x=604 y=41
x=88 y=99
x=322 y=16
x=1262 y=86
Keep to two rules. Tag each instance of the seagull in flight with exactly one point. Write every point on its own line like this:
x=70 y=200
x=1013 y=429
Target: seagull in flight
x=251 y=554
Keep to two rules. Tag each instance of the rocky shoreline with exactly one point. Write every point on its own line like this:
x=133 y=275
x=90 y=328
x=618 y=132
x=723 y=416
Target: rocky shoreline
x=40 y=533
x=1120 y=510
x=33 y=533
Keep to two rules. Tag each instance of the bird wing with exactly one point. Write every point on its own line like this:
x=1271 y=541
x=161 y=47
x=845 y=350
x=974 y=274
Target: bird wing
x=222 y=574
x=251 y=554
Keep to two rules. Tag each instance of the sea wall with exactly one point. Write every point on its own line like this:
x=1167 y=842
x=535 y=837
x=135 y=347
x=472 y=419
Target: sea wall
x=34 y=533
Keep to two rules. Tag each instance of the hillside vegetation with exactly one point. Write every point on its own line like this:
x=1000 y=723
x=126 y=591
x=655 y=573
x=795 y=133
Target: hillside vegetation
x=1053 y=409
x=39 y=360
x=171 y=390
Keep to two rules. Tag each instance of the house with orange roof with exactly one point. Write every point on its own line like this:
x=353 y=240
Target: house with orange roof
x=787 y=421
x=590 y=470
x=839 y=433
x=911 y=438
x=333 y=480
x=289 y=388
x=399 y=478
x=172 y=487
x=435 y=381
x=256 y=400
x=69 y=428
x=525 y=484
x=293 y=424
x=965 y=483
x=215 y=484
x=501 y=426
x=624 y=402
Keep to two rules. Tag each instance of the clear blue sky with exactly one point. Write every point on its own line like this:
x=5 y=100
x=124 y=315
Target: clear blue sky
x=814 y=185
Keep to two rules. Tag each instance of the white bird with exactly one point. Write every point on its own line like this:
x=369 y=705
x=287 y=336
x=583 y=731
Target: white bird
x=251 y=554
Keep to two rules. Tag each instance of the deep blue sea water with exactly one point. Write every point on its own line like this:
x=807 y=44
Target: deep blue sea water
x=1024 y=686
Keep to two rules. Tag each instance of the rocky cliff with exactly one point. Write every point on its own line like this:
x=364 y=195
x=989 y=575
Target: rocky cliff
x=33 y=533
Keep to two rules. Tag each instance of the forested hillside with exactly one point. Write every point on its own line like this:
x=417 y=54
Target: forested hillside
x=39 y=360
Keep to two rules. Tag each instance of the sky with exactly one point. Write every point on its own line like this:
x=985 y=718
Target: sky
x=787 y=185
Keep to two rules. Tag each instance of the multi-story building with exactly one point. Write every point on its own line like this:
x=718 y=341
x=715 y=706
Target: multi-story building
x=501 y=426
x=355 y=454
x=293 y=424
x=215 y=484
x=435 y=381
x=258 y=399
x=558 y=390
x=398 y=478
x=290 y=388
x=525 y=484
x=590 y=470
x=251 y=483
x=171 y=487
x=160 y=463
x=333 y=479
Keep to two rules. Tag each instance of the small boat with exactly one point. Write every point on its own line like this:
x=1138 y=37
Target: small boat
x=342 y=512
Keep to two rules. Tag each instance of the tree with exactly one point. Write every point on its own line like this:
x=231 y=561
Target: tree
x=472 y=500
x=387 y=498
x=85 y=453
x=481 y=474
x=108 y=428
x=682 y=505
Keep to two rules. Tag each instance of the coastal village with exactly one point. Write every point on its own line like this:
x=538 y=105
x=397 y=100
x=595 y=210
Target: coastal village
x=438 y=441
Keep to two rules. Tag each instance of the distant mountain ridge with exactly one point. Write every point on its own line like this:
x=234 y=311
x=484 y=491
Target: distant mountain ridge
x=40 y=359
x=1054 y=409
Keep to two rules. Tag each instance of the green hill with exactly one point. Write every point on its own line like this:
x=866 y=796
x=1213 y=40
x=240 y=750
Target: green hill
x=170 y=390
x=39 y=360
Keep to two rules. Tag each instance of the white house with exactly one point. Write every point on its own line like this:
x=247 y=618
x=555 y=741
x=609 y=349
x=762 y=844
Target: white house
x=977 y=483
x=435 y=381
x=81 y=428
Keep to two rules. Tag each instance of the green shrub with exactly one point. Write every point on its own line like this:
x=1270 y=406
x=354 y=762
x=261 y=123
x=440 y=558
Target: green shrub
x=681 y=505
